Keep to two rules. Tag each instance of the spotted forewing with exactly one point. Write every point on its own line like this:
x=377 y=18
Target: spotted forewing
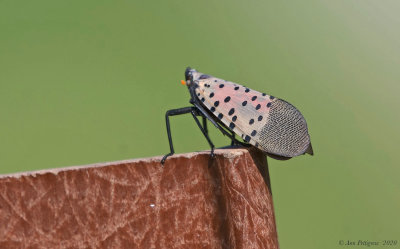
x=271 y=124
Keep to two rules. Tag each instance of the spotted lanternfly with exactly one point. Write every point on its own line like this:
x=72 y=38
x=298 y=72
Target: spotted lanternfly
x=264 y=121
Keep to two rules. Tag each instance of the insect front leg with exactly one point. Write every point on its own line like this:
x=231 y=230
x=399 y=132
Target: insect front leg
x=169 y=113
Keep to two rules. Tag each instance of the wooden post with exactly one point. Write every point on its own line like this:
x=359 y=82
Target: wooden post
x=190 y=202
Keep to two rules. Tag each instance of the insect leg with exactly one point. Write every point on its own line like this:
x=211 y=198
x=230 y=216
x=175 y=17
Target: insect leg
x=204 y=131
x=205 y=114
x=233 y=140
x=169 y=113
x=205 y=124
x=217 y=125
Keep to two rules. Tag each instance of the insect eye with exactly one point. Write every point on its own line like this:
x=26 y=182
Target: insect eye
x=204 y=76
x=188 y=74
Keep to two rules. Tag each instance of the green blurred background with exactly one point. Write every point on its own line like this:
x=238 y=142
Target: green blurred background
x=90 y=81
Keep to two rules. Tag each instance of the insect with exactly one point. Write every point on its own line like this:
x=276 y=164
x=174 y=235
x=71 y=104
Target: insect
x=271 y=124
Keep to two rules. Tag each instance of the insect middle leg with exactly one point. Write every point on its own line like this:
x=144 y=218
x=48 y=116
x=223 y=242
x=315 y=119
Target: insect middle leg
x=233 y=139
x=218 y=124
x=203 y=130
x=205 y=124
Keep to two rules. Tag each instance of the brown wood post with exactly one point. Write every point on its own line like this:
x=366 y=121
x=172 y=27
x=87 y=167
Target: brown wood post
x=190 y=202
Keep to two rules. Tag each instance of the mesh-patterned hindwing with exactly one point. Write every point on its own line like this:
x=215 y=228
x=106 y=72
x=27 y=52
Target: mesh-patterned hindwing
x=285 y=132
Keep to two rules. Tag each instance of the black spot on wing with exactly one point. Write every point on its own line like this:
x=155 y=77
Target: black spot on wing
x=227 y=99
x=220 y=116
x=216 y=103
x=234 y=118
x=258 y=106
x=221 y=85
x=247 y=138
x=236 y=88
x=244 y=103
x=212 y=109
x=253 y=98
x=211 y=95
x=231 y=126
x=251 y=121
x=231 y=111
x=269 y=104
x=260 y=118
x=253 y=133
